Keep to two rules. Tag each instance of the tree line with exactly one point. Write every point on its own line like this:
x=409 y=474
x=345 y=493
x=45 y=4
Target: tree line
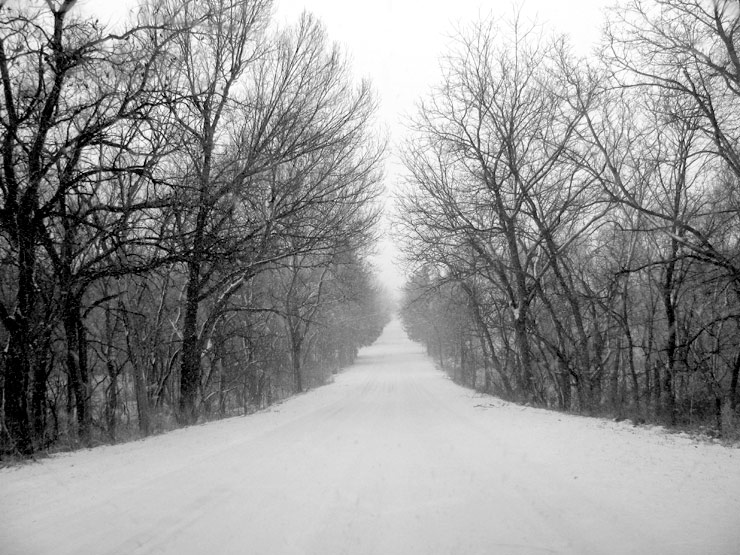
x=186 y=206
x=573 y=223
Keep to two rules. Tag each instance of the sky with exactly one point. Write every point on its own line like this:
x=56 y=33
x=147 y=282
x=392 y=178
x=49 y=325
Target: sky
x=396 y=44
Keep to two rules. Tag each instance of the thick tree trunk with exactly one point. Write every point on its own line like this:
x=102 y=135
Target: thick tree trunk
x=17 y=370
x=520 y=306
x=190 y=365
x=38 y=401
x=41 y=369
x=524 y=354
x=669 y=408
x=77 y=371
x=581 y=392
x=733 y=383
x=20 y=346
x=190 y=368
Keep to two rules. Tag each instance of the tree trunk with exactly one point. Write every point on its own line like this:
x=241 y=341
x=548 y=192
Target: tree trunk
x=41 y=370
x=631 y=357
x=38 y=401
x=221 y=388
x=564 y=379
x=733 y=383
x=190 y=365
x=142 y=398
x=77 y=371
x=296 y=360
x=581 y=392
x=19 y=349
x=669 y=410
x=615 y=390
x=111 y=397
x=17 y=370
x=524 y=355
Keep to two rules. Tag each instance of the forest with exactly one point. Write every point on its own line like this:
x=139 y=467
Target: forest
x=187 y=206
x=572 y=222
x=189 y=201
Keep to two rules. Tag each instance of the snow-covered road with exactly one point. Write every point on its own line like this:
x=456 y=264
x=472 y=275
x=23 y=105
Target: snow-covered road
x=392 y=458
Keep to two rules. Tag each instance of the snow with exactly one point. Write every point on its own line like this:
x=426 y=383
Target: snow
x=391 y=458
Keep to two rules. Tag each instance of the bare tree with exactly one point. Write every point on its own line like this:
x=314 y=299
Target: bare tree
x=273 y=132
x=492 y=163
x=76 y=151
x=688 y=48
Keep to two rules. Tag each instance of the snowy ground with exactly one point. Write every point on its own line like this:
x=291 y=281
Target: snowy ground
x=392 y=458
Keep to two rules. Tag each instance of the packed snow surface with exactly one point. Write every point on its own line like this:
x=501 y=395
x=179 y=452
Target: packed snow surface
x=391 y=458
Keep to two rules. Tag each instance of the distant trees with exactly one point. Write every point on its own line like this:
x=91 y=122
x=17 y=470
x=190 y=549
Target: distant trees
x=273 y=137
x=312 y=296
x=576 y=208
x=494 y=163
x=154 y=181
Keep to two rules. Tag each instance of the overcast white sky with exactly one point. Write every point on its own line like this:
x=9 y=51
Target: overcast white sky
x=396 y=43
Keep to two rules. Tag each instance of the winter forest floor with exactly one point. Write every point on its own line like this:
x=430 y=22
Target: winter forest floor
x=392 y=458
